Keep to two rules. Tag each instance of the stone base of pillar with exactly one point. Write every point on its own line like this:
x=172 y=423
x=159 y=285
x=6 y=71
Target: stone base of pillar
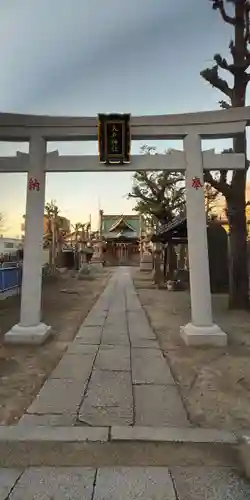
x=146 y=263
x=28 y=335
x=96 y=266
x=145 y=266
x=96 y=259
x=203 y=335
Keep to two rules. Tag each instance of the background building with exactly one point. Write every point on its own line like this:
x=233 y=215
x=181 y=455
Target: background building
x=10 y=246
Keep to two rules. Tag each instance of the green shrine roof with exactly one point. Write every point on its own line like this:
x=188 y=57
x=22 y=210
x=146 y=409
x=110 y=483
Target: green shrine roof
x=121 y=225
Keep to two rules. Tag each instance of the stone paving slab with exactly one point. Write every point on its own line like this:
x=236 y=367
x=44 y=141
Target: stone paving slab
x=198 y=483
x=74 y=367
x=64 y=420
x=58 y=396
x=89 y=330
x=123 y=483
x=101 y=305
x=134 y=483
x=55 y=483
x=8 y=478
x=109 y=395
x=116 y=326
x=114 y=338
x=114 y=358
x=117 y=317
x=109 y=388
x=158 y=405
x=150 y=367
x=151 y=353
x=153 y=344
x=76 y=348
x=89 y=335
x=106 y=415
x=139 y=330
x=137 y=333
x=95 y=320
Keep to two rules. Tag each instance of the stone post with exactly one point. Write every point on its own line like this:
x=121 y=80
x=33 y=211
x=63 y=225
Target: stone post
x=157 y=271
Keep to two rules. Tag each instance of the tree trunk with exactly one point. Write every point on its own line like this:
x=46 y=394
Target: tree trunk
x=157 y=272
x=238 y=262
x=181 y=256
x=50 y=256
x=236 y=201
x=171 y=262
x=165 y=260
x=53 y=268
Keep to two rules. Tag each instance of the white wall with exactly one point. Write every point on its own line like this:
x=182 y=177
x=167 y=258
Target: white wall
x=9 y=245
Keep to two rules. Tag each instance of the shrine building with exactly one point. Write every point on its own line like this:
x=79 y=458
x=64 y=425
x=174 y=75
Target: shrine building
x=121 y=236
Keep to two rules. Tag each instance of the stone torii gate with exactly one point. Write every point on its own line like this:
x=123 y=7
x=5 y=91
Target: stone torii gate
x=191 y=128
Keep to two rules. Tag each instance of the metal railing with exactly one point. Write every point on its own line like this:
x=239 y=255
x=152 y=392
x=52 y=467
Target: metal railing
x=10 y=277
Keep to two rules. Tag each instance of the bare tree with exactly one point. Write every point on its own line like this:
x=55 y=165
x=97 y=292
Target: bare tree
x=52 y=236
x=235 y=96
x=211 y=198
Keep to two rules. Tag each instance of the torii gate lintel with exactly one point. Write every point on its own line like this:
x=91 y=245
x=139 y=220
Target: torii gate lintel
x=174 y=160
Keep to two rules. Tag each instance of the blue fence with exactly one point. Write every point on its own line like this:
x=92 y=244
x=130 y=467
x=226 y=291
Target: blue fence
x=10 y=278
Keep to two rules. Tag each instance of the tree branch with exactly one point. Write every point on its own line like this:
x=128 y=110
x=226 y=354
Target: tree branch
x=212 y=77
x=224 y=105
x=219 y=5
x=218 y=184
x=152 y=185
x=239 y=62
x=139 y=194
x=223 y=64
x=247 y=25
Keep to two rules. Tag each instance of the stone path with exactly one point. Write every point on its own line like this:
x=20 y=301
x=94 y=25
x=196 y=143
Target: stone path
x=113 y=373
x=113 y=380
x=149 y=483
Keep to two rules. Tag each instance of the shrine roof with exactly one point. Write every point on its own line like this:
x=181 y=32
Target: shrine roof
x=112 y=224
x=121 y=224
x=177 y=228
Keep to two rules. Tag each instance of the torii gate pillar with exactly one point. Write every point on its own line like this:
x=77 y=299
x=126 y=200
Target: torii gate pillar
x=31 y=330
x=201 y=330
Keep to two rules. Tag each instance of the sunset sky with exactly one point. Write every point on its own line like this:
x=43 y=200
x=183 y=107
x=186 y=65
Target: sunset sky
x=84 y=57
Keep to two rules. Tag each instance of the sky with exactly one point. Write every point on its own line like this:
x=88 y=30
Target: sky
x=84 y=57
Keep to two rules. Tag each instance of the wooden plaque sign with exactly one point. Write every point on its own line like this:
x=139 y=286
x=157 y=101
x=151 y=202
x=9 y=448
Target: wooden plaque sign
x=114 y=138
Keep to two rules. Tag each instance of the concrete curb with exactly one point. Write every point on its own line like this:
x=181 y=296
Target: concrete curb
x=172 y=434
x=244 y=452
x=114 y=446
x=41 y=433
